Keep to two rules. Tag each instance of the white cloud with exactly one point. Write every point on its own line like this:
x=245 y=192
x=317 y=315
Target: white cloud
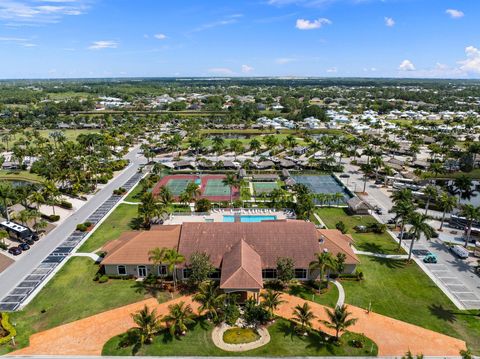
x=303 y=24
x=406 y=65
x=246 y=69
x=221 y=71
x=389 y=22
x=455 y=14
x=284 y=60
x=472 y=63
x=103 y=44
x=332 y=70
x=34 y=12
x=160 y=36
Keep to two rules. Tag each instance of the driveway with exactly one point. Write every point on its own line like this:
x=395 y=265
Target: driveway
x=87 y=336
x=393 y=337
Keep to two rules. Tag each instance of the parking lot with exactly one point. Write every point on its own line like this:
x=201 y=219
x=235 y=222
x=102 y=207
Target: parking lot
x=13 y=300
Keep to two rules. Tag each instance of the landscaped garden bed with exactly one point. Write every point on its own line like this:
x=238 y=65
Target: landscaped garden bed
x=238 y=335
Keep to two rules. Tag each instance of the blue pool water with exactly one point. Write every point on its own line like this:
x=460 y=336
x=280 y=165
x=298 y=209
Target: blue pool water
x=249 y=219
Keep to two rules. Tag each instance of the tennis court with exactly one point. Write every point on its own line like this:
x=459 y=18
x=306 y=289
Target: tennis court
x=216 y=187
x=264 y=187
x=178 y=186
x=322 y=184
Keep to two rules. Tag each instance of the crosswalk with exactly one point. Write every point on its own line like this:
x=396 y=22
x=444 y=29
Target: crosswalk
x=13 y=300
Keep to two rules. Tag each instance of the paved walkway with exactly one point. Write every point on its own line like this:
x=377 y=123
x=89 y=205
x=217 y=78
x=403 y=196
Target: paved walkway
x=393 y=337
x=341 y=293
x=217 y=338
x=380 y=255
x=93 y=256
x=87 y=336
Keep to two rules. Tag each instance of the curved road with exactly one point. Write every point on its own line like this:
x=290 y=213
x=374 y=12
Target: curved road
x=25 y=264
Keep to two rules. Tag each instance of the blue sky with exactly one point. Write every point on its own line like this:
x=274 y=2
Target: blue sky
x=124 y=38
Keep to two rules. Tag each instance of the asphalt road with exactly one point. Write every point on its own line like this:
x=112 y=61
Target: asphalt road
x=24 y=265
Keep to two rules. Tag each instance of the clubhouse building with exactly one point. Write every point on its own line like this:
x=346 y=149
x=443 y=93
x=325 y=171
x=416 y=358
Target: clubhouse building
x=244 y=254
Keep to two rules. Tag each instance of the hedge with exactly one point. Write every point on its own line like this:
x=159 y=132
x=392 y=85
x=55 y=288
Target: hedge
x=9 y=328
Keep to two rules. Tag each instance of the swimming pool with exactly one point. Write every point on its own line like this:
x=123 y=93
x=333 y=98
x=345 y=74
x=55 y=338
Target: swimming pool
x=249 y=219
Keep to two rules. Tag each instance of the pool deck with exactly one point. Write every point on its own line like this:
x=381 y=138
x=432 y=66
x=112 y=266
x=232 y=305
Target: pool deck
x=216 y=215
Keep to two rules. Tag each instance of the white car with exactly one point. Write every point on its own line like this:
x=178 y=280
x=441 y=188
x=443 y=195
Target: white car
x=460 y=251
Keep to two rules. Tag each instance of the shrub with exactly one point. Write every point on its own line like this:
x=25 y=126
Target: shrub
x=51 y=218
x=3 y=246
x=9 y=328
x=81 y=227
x=341 y=227
x=65 y=204
x=103 y=279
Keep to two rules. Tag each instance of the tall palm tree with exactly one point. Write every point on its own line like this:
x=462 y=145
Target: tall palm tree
x=431 y=193
x=7 y=195
x=404 y=194
x=231 y=181
x=271 y=300
x=148 y=324
x=303 y=315
x=471 y=214
x=419 y=226
x=157 y=256
x=403 y=210
x=338 y=319
x=178 y=318
x=448 y=204
x=210 y=298
x=51 y=193
x=172 y=258
x=323 y=262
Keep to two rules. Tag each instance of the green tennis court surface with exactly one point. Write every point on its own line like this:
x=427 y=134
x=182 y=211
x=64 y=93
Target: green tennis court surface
x=216 y=187
x=264 y=187
x=178 y=186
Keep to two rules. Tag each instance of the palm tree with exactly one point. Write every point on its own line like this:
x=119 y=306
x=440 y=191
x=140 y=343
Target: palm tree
x=430 y=192
x=193 y=190
x=147 y=324
x=165 y=196
x=404 y=194
x=418 y=227
x=255 y=145
x=51 y=193
x=403 y=210
x=157 y=256
x=37 y=198
x=231 y=181
x=323 y=262
x=448 y=204
x=150 y=208
x=271 y=300
x=172 y=258
x=7 y=195
x=471 y=214
x=304 y=316
x=3 y=235
x=338 y=319
x=210 y=298
x=178 y=318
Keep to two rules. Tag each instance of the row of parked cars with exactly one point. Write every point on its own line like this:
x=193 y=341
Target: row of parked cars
x=19 y=233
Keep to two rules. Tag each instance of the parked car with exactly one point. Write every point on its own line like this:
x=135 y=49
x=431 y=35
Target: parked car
x=344 y=175
x=430 y=258
x=24 y=246
x=15 y=251
x=29 y=241
x=392 y=221
x=378 y=182
x=406 y=235
x=378 y=210
x=460 y=251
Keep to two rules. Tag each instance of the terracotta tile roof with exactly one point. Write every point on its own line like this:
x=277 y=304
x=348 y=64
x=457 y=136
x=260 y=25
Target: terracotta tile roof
x=241 y=268
x=133 y=247
x=335 y=241
x=270 y=239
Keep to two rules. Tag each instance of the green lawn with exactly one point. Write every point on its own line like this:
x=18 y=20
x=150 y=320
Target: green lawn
x=134 y=195
x=11 y=175
x=117 y=222
x=71 y=295
x=327 y=297
x=404 y=292
x=284 y=342
x=369 y=242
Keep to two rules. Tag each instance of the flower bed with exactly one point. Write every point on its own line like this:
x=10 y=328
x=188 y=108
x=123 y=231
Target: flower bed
x=240 y=335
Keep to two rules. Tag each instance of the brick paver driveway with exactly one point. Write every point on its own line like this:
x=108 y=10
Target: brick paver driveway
x=87 y=336
x=393 y=337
